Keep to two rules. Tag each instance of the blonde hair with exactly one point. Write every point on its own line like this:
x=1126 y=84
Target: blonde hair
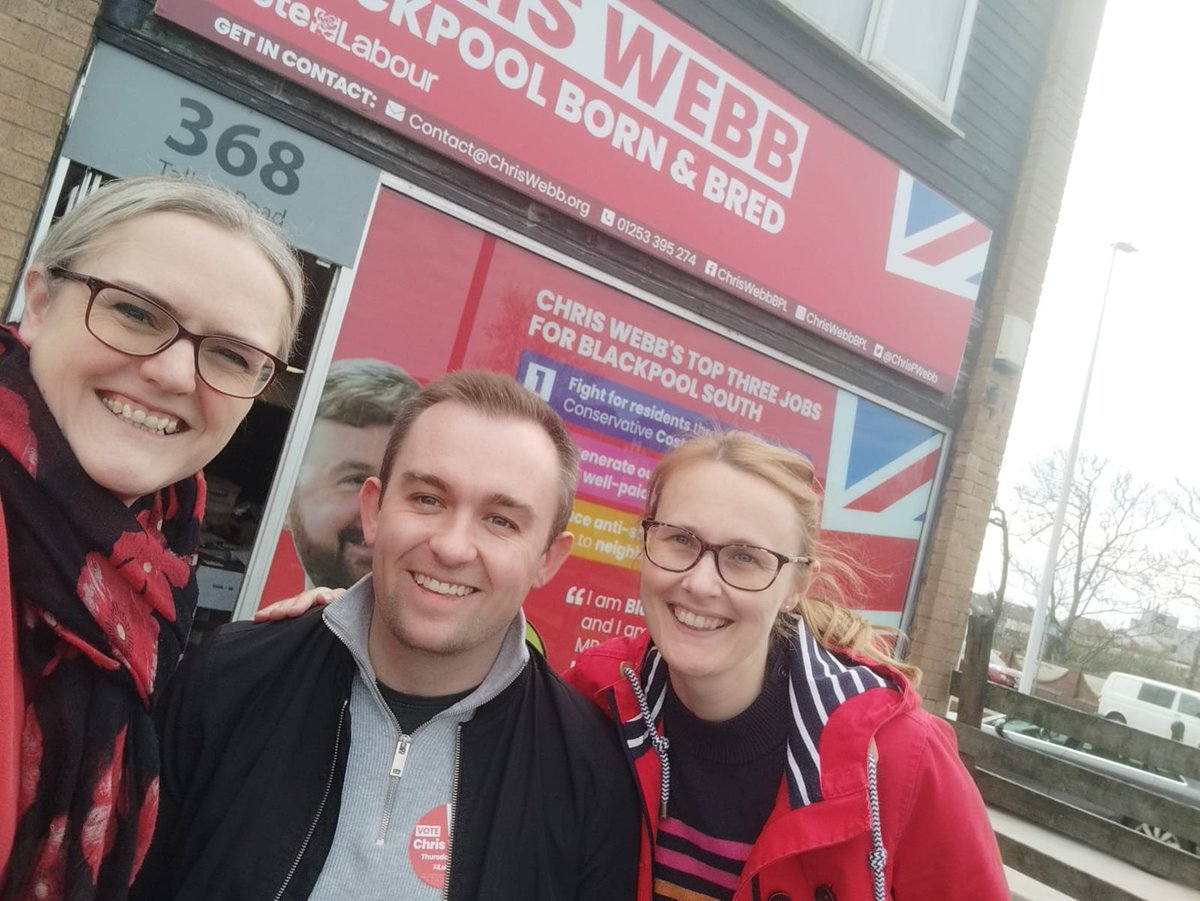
x=121 y=200
x=823 y=606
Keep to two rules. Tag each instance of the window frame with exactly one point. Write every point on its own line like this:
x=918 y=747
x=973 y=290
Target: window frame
x=1191 y=702
x=870 y=53
x=1154 y=694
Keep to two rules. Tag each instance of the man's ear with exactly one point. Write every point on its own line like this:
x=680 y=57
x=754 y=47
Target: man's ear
x=369 y=498
x=553 y=558
x=37 y=303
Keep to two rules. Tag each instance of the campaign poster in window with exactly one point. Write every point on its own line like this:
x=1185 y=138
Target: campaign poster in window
x=434 y=294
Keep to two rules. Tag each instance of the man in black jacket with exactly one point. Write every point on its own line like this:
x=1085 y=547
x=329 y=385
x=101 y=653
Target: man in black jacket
x=403 y=742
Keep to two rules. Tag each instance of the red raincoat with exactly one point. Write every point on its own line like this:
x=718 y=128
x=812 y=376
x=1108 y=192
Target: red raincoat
x=938 y=841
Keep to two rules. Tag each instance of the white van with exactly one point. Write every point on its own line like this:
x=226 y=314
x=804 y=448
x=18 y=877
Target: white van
x=1152 y=706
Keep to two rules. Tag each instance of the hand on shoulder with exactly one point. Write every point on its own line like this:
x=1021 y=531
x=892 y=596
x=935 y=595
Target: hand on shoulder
x=289 y=608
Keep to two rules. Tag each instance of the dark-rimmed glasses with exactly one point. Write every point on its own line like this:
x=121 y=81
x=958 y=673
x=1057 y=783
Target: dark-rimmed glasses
x=742 y=566
x=132 y=324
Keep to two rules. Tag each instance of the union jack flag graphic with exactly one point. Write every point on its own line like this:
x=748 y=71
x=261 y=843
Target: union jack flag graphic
x=877 y=490
x=880 y=474
x=934 y=242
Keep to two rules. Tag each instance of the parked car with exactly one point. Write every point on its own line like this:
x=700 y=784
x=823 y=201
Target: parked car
x=1161 y=782
x=1152 y=706
x=1000 y=672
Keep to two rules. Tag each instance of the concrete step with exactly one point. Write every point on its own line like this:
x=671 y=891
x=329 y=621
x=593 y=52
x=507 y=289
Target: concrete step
x=1125 y=879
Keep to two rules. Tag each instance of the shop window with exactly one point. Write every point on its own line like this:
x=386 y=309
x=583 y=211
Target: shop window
x=434 y=292
x=918 y=44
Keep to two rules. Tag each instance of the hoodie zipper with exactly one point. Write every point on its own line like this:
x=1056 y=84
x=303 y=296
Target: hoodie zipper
x=312 y=827
x=403 y=743
x=452 y=813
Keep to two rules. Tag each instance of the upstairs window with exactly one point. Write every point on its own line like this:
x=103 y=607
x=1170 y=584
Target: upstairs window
x=918 y=44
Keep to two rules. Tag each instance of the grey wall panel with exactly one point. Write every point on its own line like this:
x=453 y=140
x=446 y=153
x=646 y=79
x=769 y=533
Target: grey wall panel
x=1003 y=69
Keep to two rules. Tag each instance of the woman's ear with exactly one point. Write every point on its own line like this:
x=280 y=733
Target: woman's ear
x=813 y=570
x=795 y=596
x=37 y=303
x=804 y=580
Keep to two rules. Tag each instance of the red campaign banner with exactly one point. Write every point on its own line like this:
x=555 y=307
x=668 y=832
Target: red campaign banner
x=433 y=294
x=619 y=113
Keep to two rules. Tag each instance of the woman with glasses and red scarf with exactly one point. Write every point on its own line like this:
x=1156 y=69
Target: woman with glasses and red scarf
x=155 y=312
x=781 y=750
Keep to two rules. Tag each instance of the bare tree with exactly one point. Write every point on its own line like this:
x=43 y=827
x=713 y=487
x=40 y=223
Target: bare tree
x=1107 y=561
x=1186 y=503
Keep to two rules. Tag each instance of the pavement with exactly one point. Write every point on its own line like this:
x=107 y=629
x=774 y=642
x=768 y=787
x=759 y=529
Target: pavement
x=1084 y=857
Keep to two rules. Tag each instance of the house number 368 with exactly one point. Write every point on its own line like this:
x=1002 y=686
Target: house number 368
x=235 y=149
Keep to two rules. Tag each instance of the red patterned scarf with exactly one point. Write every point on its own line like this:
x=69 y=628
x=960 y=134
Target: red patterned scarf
x=104 y=596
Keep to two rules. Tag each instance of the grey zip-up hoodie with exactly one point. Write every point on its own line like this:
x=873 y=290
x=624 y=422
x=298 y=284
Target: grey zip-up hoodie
x=396 y=817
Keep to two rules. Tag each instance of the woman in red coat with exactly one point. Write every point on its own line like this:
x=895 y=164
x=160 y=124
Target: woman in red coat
x=781 y=751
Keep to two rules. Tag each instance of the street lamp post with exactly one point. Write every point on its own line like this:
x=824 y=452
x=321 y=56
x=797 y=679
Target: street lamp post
x=1037 y=629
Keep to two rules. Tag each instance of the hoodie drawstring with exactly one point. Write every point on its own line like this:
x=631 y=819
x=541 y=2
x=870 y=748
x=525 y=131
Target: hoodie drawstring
x=660 y=742
x=877 y=859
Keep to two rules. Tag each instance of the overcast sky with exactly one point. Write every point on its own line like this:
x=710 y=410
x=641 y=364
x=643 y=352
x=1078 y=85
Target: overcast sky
x=1134 y=177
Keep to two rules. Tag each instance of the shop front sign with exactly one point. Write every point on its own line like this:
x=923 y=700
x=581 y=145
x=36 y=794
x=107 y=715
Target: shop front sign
x=137 y=119
x=621 y=114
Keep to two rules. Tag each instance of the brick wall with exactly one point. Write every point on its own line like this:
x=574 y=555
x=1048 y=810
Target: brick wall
x=974 y=469
x=42 y=47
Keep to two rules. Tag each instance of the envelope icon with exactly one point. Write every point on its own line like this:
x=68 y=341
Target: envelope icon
x=396 y=110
